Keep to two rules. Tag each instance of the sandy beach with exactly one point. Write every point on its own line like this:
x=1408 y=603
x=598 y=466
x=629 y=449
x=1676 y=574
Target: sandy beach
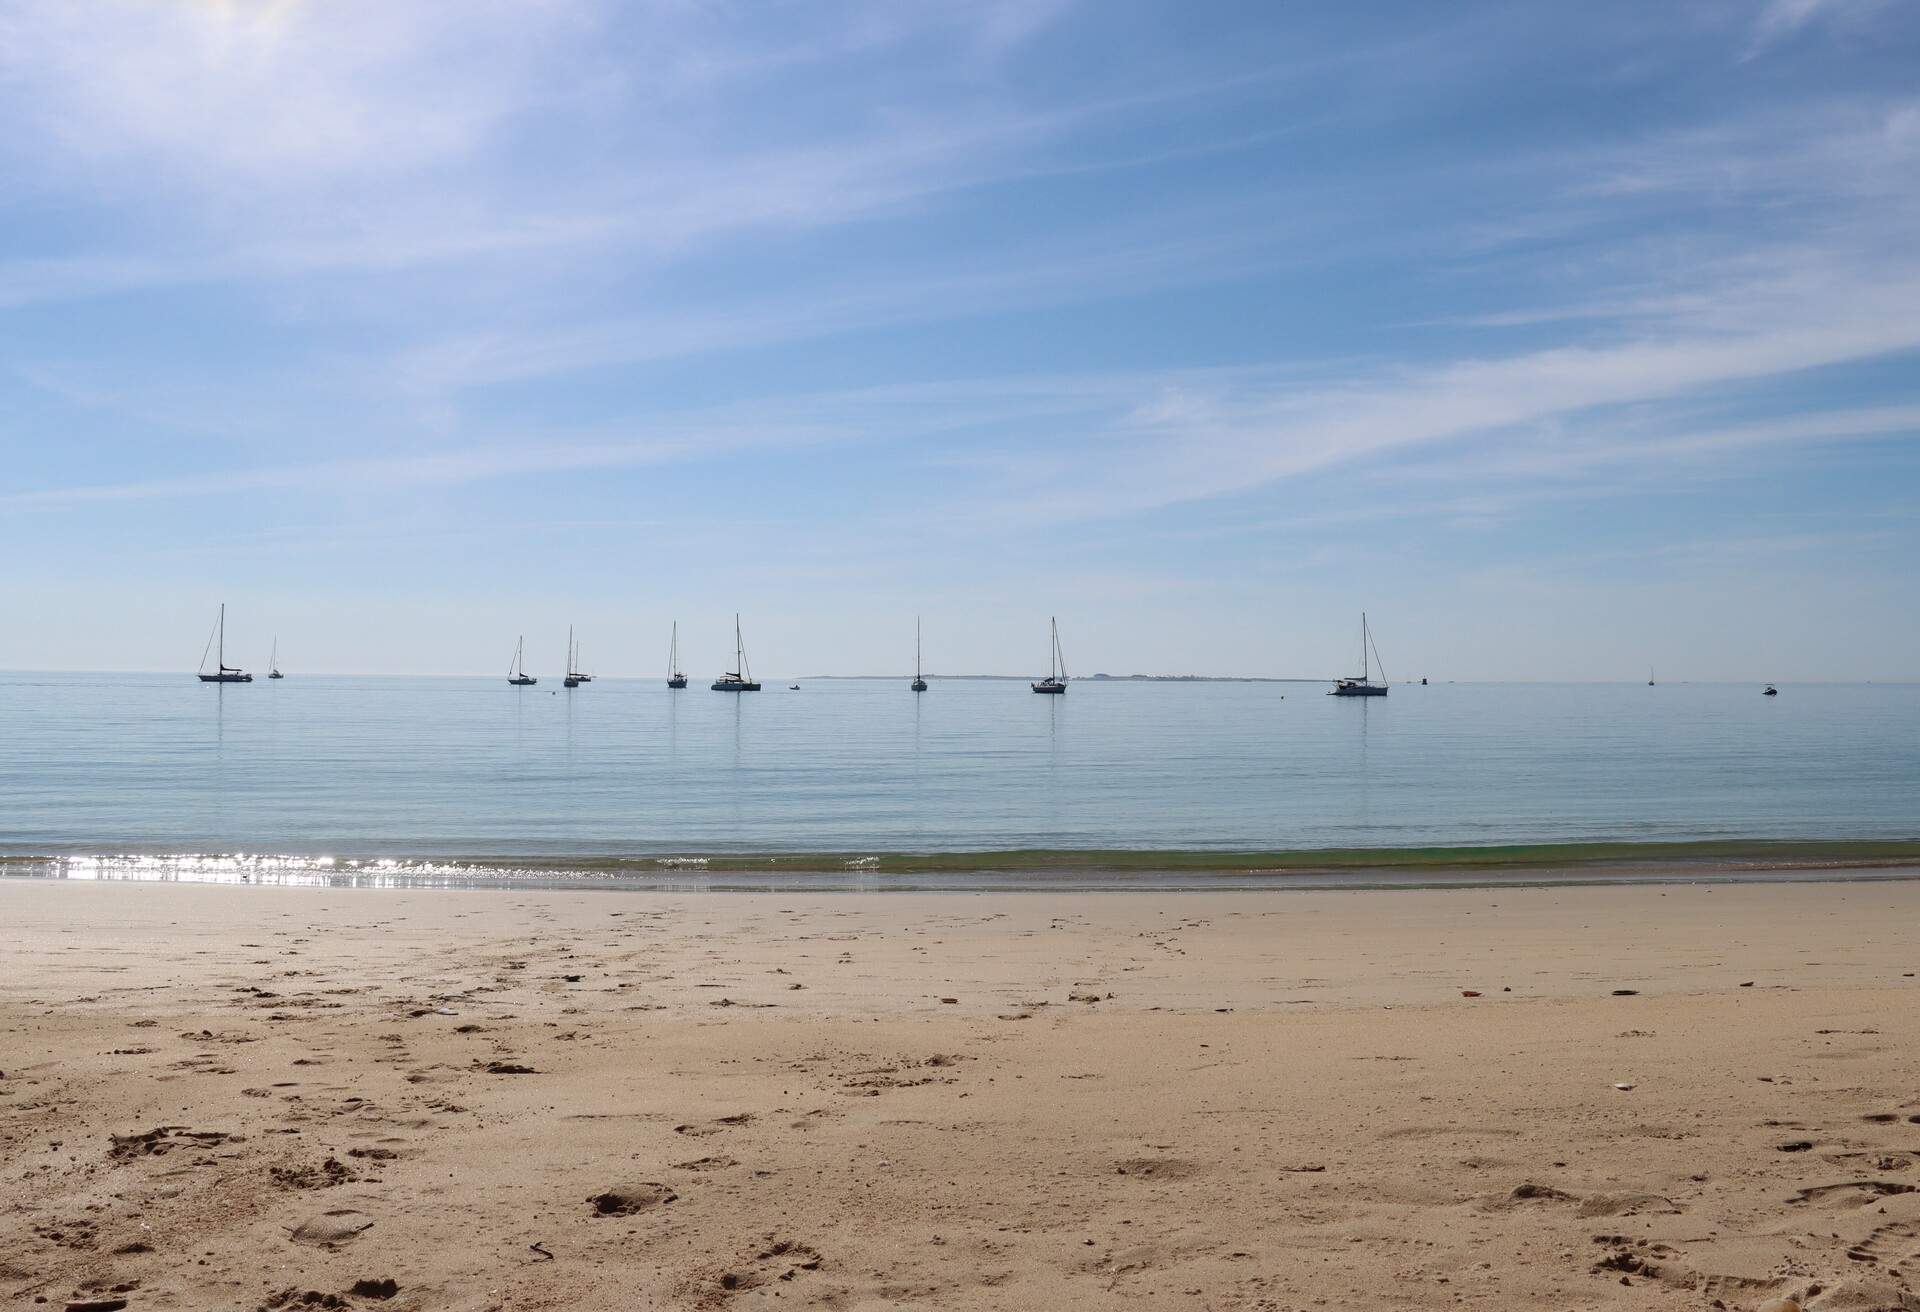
x=236 y=1098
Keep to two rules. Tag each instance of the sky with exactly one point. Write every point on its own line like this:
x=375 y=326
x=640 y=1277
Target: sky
x=1565 y=340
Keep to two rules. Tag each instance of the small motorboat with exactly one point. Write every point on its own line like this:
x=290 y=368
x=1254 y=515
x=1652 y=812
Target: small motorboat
x=1770 y=691
x=793 y=687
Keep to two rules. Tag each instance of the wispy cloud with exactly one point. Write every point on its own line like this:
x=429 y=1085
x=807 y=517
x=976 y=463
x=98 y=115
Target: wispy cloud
x=1064 y=276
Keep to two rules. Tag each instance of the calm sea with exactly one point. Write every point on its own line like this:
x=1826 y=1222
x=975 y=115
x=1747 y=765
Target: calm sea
x=373 y=767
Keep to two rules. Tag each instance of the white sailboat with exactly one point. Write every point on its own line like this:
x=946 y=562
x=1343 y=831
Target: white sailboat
x=273 y=660
x=1364 y=686
x=223 y=672
x=1056 y=680
x=574 y=677
x=739 y=678
x=675 y=679
x=517 y=671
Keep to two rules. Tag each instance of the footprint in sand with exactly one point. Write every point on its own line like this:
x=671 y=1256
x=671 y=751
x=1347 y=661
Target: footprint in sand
x=163 y=1139
x=335 y=1227
x=780 y=1259
x=1157 y=1168
x=1895 y=1244
x=1861 y=1191
x=719 y=1163
x=629 y=1199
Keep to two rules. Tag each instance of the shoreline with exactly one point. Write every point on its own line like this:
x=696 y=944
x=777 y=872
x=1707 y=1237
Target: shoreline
x=1547 y=864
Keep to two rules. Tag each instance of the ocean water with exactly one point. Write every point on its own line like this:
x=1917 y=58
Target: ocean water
x=391 y=767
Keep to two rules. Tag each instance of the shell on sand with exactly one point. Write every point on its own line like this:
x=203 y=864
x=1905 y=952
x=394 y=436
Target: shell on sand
x=331 y=1227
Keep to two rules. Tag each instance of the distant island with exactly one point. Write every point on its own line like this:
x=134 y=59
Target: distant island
x=1090 y=678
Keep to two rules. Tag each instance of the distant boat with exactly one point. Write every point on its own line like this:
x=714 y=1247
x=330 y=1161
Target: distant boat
x=1364 y=686
x=919 y=684
x=517 y=671
x=223 y=672
x=739 y=678
x=273 y=661
x=1649 y=676
x=1056 y=680
x=793 y=687
x=574 y=678
x=675 y=679
x=1770 y=691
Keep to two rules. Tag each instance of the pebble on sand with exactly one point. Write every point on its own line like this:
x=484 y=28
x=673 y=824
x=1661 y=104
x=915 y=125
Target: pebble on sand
x=1624 y=1088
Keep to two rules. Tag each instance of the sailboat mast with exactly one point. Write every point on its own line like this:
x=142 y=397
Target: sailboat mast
x=1366 y=671
x=223 y=635
x=916 y=646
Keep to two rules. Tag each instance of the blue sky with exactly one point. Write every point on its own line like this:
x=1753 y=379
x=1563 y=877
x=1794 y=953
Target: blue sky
x=1565 y=339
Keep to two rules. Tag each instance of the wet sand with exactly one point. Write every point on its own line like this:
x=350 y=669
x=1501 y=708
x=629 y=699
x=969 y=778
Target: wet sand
x=230 y=1097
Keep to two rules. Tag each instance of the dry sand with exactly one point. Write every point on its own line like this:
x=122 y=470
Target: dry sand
x=232 y=1098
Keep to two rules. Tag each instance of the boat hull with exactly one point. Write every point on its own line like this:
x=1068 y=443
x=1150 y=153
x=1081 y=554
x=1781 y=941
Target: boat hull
x=735 y=685
x=276 y=675
x=1359 y=690
x=918 y=685
x=1048 y=686
x=524 y=681
x=569 y=683
x=226 y=678
x=676 y=683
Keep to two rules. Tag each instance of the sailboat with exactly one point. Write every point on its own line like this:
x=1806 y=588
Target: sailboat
x=1649 y=676
x=1364 y=686
x=675 y=679
x=273 y=660
x=517 y=672
x=574 y=678
x=223 y=672
x=919 y=684
x=1056 y=680
x=739 y=678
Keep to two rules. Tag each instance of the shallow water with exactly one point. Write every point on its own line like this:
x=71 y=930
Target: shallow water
x=374 y=767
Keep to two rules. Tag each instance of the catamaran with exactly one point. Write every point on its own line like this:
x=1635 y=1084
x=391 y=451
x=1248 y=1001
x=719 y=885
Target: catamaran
x=919 y=684
x=675 y=679
x=517 y=671
x=739 y=678
x=223 y=673
x=574 y=678
x=1364 y=686
x=1056 y=680
x=273 y=660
